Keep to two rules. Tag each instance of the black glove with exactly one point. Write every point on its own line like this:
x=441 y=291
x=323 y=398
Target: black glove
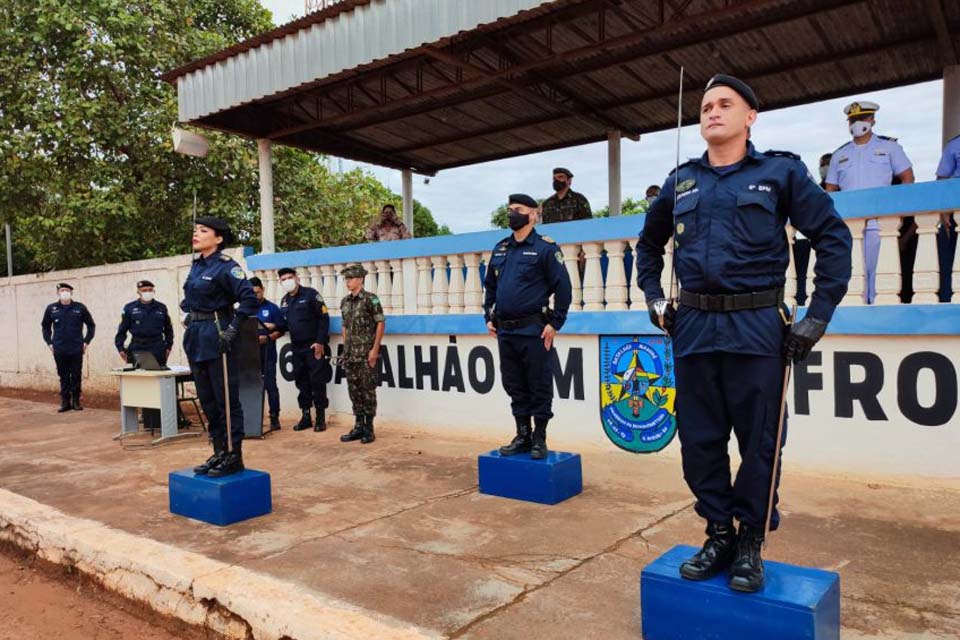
x=669 y=314
x=227 y=337
x=803 y=335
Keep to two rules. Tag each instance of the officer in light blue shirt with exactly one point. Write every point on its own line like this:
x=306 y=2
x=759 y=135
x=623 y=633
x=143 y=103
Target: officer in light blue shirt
x=949 y=167
x=867 y=161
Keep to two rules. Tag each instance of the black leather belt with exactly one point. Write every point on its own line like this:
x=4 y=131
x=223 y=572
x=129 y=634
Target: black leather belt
x=732 y=301
x=517 y=323
x=202 y=315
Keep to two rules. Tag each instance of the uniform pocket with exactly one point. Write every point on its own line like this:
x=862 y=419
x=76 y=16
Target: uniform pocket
x=755 y=220
x=685 y=219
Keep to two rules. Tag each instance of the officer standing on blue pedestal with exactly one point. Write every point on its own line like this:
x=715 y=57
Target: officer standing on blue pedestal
x=525 y=269
x=269 y=330
x=149 y=324
x=215 y=284
x=305 y=317
x=62 y=325
x=730 y=332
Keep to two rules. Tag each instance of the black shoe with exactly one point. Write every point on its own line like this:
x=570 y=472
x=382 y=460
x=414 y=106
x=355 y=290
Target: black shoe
x=715 y=555
x=64 y=406
x=746 y=572
x=521 y=442
x=230 y=463
x=305 y=421
x=274 y=421
x=212 y=461
x=76 y=403
x=321 y=424
x=368 y=436
x=356 y=433
x=538 y=450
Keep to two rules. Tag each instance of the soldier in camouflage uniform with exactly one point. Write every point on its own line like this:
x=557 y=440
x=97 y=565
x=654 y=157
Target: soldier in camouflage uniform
x=565 y=204
x=363 y=327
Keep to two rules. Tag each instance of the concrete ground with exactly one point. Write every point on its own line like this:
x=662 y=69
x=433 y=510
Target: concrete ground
x=398 y=527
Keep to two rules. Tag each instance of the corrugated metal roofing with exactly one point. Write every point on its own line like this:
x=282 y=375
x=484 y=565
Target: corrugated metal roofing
x=560 y=74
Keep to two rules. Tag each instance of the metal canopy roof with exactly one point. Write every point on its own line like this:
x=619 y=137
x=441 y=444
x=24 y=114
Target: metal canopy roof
x=534 y=76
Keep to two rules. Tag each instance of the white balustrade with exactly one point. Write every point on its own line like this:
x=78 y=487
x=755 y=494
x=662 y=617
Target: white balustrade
x=856 y=288
x=616 y=285
x=790 y=286
x=384 y=286
x=888 y=266
x=455 y=289
x=314 y=278
x=370 y=280
x=438 y=298
x=926 y=270
x=668 y=280
x=472 y=290
x=811 y=266
x=571 y=253
x=424 y=286
x=329 y=286
x=341 y=291
x=592 y=278
x=396 y=289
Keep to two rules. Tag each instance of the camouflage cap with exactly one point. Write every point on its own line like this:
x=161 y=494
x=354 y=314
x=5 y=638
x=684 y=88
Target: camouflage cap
x=354 y=271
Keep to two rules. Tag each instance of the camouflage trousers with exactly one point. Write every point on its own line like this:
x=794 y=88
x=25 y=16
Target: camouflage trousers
x=362 y=386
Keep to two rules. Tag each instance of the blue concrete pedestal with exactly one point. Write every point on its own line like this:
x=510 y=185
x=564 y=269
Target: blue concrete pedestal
x=220 y=501
x=795 y=603
x=554 y=479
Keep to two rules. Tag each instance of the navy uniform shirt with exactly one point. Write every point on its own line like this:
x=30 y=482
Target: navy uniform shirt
x=146 y=322
x=269 y=313
x=729 y=231
x=949 y=166
x=305 y=317
x=214 y=284
x=63 y=324
x=520 y=279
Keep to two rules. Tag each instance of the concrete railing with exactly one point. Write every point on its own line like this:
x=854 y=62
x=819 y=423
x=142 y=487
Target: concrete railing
x=444 y=275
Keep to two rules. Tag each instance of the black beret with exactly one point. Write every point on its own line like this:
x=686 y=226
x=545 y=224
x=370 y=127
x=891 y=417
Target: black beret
x=388 y=206
x=741 y=87
x=217 y=224
x=522 y=198
x=256 y=282
x=144 y=283
x=562 y=170
x=64 y=285
x=285 y=271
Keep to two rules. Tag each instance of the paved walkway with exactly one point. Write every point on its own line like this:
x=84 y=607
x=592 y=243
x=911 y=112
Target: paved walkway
x=397 y=528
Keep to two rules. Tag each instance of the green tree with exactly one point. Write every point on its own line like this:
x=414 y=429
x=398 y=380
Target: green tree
x=498 y=218
x=629 y=207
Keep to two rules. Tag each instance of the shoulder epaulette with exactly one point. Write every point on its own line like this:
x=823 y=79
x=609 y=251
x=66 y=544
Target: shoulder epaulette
x=548 y=239
x=224 y=257
x=841 y=146
x=682 y=165
x=890 y=138
x=785 y=154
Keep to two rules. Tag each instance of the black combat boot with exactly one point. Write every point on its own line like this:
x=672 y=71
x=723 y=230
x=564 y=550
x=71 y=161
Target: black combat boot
x=65 y=405
x=274 y=421
x=230 y=463
x=368 y=436
x=538 y=451
x=321 y=424
x=715 y=556
x=521 y=442
x=357 y=432
x=746 y=572
x=212 y=461
x=76 y=402
x=305 y=421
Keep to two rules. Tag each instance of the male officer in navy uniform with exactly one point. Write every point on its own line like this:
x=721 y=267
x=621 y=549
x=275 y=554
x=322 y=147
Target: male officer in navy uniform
x=148 y=321
x=269 y=330
x=730 y=336
x=525 y=270
x=62 y=326
x=305 y=317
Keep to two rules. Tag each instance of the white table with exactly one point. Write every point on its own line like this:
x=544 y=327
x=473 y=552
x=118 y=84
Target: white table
x=140 y=389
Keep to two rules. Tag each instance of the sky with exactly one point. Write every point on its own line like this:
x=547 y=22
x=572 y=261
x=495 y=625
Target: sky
x=463 y=198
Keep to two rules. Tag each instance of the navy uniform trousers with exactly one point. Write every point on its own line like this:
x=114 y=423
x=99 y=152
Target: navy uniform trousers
x=208 y=378
x=526 y=368
x=310 y=376
x=70 y=371
x=714 y=391
x=268 y=369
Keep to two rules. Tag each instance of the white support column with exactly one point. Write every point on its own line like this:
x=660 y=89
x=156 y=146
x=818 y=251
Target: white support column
x=613 y=172
x=570 y=259
x=384 y=286
x=315 y=280
x=341 y=285
x=855 y=289
x=637 y=300
x=424 y=286
x=439 y=297
x=592 y=278
x=370 y=280
x=888 y=265
x=472 y=291
x=267 y=241
x=455 y=290
x=616 y=286
x=329 y=286
x=407 y=181
x=926 y=270
x=396 y=289
x=270 y=289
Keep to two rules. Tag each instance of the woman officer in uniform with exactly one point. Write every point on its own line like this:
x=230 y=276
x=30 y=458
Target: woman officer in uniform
x=215 y=283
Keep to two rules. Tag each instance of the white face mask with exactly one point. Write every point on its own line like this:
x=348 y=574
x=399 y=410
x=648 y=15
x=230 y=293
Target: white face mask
x=289 y=284
x=66 y=296
x=147 y=296
x=860 y=128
